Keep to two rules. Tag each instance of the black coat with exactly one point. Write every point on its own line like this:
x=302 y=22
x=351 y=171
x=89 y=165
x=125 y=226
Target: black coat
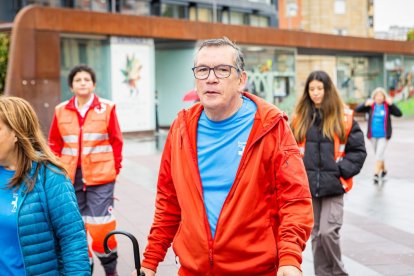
x=389 y=109
x=322 y=169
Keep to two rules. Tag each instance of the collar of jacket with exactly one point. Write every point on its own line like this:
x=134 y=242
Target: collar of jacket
x=71 y=103
x=267 y=116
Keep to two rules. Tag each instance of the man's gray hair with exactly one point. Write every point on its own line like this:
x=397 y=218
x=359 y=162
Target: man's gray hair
x=219 y=42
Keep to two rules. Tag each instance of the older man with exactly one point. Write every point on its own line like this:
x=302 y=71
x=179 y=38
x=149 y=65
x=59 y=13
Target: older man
x=232 y=193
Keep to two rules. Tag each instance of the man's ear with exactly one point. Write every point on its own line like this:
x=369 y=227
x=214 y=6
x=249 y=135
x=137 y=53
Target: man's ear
x=242 y=80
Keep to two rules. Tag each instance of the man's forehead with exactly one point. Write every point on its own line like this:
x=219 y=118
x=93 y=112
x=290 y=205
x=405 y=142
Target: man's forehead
x=223 y=50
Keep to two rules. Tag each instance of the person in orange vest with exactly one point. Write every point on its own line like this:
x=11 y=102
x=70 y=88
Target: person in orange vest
x=333 y=149
x=85 y=134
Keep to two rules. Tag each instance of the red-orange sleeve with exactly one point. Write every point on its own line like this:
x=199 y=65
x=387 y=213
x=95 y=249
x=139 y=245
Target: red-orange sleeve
x=293 y=199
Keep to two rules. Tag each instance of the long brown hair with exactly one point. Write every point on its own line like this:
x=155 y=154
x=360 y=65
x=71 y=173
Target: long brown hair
x=18 y=115
x=332 y=110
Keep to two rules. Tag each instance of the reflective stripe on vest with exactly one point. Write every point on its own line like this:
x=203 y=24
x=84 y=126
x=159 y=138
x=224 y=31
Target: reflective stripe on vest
x=70 y=151
x=70 y=138
x=95 y=136
x=339 y=148
x=98 y=149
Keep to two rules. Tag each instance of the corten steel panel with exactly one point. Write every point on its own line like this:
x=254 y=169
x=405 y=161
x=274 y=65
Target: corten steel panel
x=46 y=90
x=34 y=67
x=84 y=22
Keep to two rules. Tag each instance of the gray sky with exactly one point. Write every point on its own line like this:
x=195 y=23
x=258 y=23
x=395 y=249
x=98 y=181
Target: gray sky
x=393 y=12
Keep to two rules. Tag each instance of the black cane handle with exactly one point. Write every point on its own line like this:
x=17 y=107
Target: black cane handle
x=134 y=245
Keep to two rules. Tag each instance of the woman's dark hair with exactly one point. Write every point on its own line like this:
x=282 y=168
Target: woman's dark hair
x=81 y=68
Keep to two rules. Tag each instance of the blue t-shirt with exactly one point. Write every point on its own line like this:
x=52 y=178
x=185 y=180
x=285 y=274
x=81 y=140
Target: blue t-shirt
x=378 y=121
x=11 y=259
x=220 y=146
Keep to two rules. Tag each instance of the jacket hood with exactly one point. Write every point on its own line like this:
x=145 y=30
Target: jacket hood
x=267 y=114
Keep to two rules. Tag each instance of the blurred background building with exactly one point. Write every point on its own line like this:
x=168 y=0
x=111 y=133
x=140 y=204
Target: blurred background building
x=142 y=50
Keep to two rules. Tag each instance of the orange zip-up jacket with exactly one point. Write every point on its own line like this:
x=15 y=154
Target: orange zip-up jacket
x=266 y=218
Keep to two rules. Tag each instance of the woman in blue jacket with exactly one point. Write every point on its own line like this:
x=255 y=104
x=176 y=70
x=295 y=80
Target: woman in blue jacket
x=42 y=230
x=380 y=108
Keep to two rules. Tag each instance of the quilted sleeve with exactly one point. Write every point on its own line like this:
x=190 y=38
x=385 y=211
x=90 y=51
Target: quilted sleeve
x=67 y=223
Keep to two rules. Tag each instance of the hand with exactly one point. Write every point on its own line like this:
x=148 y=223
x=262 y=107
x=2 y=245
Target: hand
x=148 y=272
x=289 y=270
x=369 y=102
x=389 y=101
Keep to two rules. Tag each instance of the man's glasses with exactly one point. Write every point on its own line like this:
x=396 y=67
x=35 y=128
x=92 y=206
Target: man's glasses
x=220 y=71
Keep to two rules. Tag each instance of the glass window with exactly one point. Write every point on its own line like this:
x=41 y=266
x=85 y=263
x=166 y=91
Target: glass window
x=291 y=8
x=340 y=31
x=371 y=21
x=271 y=74
x=93 y=52
x=135 y=7
x=358 y=76
x=261 y=1
x=52 y=3
x=100 y=5
x=224 y=16
x=205 y=14
x=236 y=18
x=174 y=11
x=192 y=13
x=259 y=20
x=340 y=7
x=94 y=5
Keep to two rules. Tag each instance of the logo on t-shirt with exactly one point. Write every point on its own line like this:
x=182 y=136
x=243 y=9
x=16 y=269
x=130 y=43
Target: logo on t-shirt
x=240 y=146
x=14 y=202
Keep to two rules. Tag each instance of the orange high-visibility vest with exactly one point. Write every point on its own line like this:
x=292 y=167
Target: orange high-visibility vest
x=97 y=158
x=339 y=148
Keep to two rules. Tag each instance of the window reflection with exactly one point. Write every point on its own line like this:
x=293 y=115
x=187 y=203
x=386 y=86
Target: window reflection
x=135 y=7
x=174 y=11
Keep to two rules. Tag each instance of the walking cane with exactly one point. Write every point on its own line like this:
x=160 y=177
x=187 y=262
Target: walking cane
x=134 y=245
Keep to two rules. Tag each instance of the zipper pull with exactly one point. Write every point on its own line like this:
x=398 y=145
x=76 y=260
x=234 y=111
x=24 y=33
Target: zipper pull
x=210 y=251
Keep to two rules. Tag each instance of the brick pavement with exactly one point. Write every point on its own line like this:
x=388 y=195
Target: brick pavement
x=378 y=231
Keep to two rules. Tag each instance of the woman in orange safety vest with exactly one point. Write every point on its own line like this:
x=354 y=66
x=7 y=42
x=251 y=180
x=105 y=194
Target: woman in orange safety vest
x=333 y=149
x=85 y=134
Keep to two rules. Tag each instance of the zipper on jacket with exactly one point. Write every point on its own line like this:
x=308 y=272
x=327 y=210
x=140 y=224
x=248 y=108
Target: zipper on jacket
x=194 y=159
x=242 y=161
x=210 y=256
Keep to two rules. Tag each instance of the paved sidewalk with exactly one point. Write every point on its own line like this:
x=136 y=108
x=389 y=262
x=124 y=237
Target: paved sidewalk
x=378 y=231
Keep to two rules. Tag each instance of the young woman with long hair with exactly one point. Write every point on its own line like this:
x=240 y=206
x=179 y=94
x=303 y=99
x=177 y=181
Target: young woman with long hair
x=333 y=151
x=42 y=229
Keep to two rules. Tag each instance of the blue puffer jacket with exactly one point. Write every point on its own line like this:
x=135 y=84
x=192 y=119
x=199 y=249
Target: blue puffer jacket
x=51 y=231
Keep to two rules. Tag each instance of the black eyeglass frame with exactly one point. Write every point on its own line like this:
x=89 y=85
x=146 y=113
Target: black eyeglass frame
x=214 y=71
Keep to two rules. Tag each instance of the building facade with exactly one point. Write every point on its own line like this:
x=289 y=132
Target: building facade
x=355 y=76
x=143 y=62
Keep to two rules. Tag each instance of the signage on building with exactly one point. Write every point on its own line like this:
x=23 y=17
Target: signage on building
x=133 y=82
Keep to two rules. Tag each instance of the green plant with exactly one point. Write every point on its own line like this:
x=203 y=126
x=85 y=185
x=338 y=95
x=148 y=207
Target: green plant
x=4 y=55
x=410 y=35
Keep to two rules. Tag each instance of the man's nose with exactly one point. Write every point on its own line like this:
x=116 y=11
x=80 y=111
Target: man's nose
x=211 y=75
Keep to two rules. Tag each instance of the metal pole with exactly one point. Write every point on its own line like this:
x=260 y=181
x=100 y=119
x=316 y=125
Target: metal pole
x=214 y=11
